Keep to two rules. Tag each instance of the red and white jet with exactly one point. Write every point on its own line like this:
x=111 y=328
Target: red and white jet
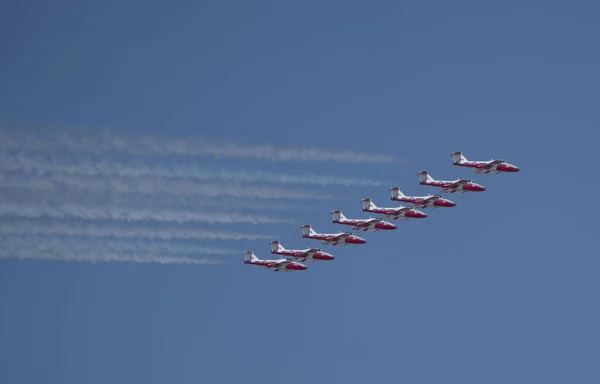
x=396 y=213
x=367 y=225
x=483 y=167
x=336 y=239
x=429 y=201
x=280 y=265
x=304 y=255
x=452 y=186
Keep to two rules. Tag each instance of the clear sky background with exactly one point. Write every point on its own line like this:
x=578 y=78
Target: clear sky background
x=502 y=288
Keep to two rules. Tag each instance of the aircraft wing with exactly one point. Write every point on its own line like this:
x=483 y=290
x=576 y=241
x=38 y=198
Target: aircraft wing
x=282 y=264
x=461 y=182
x=496 y=162
x=311 y=251
x=370 y=223
x=341 y=236
x=433 y=198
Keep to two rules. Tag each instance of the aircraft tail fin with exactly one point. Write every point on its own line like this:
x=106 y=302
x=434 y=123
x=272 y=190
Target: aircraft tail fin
x=458 y=158
x=396 y=193
x=250 y=257
x=276 y=246
x=368 y=204
x=338 y=216
x=425 y=177
x=307 y=230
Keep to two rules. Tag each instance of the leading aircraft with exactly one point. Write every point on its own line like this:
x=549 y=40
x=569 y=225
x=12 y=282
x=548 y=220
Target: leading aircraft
x=429 y=201
x=484 y=167
x=303 y=255
x=451 y=186
x=367 y=225
x=280 y=265
x=395 y=213
x=336 y=239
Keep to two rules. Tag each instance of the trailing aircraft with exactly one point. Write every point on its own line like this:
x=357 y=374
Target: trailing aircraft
x=335 y=239
x=309 y=254
x=280 y=265
x=451 y=186
x=429 y=201
x=484 y=167
x=367 y=225
x=395 y=213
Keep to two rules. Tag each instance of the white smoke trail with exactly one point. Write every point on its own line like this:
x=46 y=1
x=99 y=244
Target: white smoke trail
x=80 y=166
x=132 y=200
x=95 y=256
x=107 y=142
x=85 y=243
x=70 y=210
x=117 y=229
x=146 y=185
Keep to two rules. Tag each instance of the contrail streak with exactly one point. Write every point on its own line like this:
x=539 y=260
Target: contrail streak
x=79 y=166
x=146 y=185
x=121 y=229
x=107 y=142
x=86 y=243
x=70 y=210
x=95 y=256
x=133 y=200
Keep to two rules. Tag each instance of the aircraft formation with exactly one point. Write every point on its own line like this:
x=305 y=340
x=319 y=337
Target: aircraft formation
x=294 y=259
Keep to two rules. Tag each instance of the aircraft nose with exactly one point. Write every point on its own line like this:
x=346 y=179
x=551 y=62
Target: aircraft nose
x=481 y=188
x=517 y=169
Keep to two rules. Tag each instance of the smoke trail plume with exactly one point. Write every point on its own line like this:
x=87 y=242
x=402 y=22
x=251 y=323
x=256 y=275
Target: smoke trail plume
x=121 y=229
x=80 y=166
x=107 y=142
x=147 y=185
x=70 y=210
x=96 y=257
x=57 y=249
x=85 y=243
x=134 y=201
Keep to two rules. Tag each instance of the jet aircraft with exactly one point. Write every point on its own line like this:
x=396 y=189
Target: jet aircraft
x=280 y=265
x=451 y=186
x=367 y=225
x=429 y=201
x=336 y=239
x=303 y=255
x=483 y=167
x=395 y=213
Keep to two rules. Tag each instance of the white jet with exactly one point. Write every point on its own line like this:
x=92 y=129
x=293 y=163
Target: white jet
x=303 y=255
x=395 y=213
x=280 y=265
x=336 y=239
x=452 y=186
x=484 y=167
x=368 y=225
x=429 y=201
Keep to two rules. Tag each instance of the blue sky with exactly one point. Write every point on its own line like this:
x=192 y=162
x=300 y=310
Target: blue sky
x=502 y=288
